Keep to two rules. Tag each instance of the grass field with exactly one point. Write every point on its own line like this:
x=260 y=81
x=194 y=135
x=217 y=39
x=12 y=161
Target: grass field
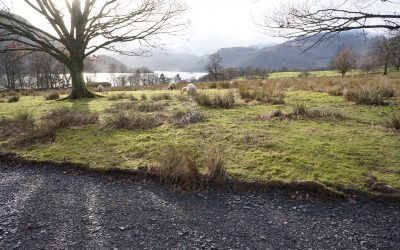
x=331 y=151
x=319 y=73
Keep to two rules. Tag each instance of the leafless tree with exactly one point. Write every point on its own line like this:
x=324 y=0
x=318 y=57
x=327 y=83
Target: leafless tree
x=215 y=65
x=395 y=53
x=11 y=70
x=305 y=19
x=382 y=51
x=81 y=28
x=344 y=61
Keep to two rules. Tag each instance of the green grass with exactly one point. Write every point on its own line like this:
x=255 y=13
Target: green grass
x=329 y=151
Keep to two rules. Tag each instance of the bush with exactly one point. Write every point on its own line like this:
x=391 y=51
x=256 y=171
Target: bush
x=164 y=96
x=52 y=96
x=143 y=97
x=13 y=99
x=225 y=100
x=178 y=167
x=364 y=96
x=181 y=118
x=44 y=132
x=133 y=120
x=393 y=123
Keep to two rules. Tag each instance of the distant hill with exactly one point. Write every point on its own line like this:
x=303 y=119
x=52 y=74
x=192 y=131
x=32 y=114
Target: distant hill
x=289 y=55
x=105 y=61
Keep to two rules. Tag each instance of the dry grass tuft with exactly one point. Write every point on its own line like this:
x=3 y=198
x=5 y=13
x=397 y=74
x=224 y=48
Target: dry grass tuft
x=393 y=123
x=261 y=94
x=223 y=100
x=65 y=117
x=160 y=97
x=133 y=120
x=13 y=99
x=178 y=167
x=182 y=118
x=215 y=163
x=365 y=96
x=52 y=96
x=119 y=96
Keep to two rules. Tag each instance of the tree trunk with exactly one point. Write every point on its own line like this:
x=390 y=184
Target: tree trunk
x=79 y=89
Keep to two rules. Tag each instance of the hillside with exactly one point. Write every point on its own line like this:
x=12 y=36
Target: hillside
x=290 y=55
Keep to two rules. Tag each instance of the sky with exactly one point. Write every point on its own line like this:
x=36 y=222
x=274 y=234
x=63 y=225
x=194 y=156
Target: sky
x=214 y=24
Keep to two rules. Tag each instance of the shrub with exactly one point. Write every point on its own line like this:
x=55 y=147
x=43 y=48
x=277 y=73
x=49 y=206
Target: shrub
x=364 y=96
x=225 y=100
x=163 y=96
x=178 y=167
x=44 y=132
x=143 y=97
x=13 y=99
x=181 y=118
x=19 y=124
x=133 y=120
x=393 y=123
x=52 y=96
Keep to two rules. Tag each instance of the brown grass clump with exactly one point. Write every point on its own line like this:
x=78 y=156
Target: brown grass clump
x=223 y=100
x=183 y=118
x=301 y=111
x=119 y=96
x=52 y=96
x=149 y=107
x=365 y=96
x=13 y=99
x=17 y=125
x=133 y=120
x=393 y=123
x=261 y=94
x=182 y=98
x=65 y=117
x=143 y=97
x=215 y=163
x=178 y=167
x=160 y=97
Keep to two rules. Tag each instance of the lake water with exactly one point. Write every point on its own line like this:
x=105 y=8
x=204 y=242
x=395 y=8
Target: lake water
x=108 y=77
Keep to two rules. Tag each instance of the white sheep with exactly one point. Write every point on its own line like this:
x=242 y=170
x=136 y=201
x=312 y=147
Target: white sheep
x=190 y=88
x=100 y=88
x=172 y=86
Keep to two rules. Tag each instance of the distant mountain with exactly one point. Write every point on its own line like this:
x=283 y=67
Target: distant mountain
x=106 y=61
x=290 y=55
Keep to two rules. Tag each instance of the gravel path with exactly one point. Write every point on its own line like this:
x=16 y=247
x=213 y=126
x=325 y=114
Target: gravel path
x=49 y=208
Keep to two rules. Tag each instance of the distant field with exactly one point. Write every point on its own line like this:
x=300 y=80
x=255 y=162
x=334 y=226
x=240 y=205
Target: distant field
x=322 y=73
x=331 y=151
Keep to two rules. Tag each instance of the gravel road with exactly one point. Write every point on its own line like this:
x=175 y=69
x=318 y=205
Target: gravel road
x=43 y=207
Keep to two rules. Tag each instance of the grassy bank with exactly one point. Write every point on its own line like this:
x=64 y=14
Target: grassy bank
x=317 y=146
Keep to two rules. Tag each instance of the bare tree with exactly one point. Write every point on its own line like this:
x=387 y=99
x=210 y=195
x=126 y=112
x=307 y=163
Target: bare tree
x=326 y=19
x=11 y=68
x=395 y=53
x=83 y=27
x=344 y=61
x=215 y=65
x=382 y=51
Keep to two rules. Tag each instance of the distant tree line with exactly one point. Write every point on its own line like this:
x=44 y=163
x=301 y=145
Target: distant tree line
x=35 y=71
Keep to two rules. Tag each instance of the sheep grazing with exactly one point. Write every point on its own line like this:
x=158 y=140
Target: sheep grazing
x=100 y=88
x=190 y=88
x=172 y=86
